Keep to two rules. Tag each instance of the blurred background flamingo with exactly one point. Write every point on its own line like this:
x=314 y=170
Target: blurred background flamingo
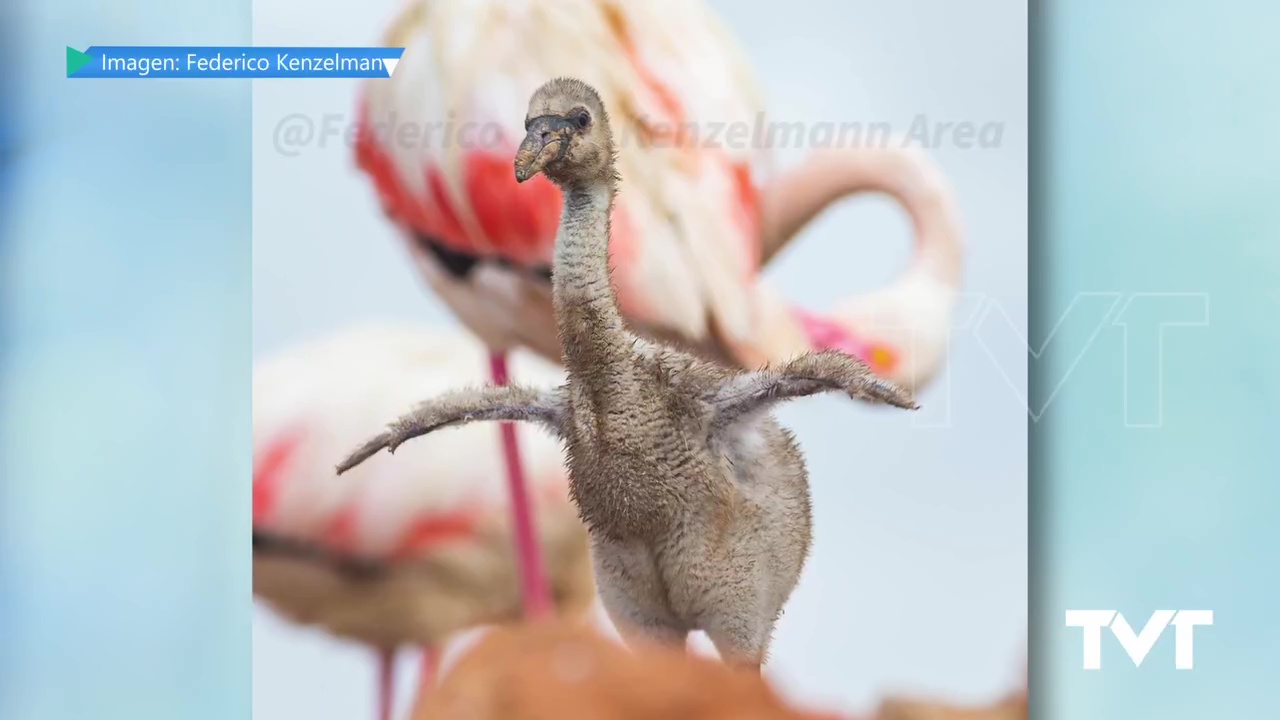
x=410 y=549
x=696 y=215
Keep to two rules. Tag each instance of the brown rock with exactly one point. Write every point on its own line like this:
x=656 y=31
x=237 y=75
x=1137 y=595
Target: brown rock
x=554 y=672
x=1011 y=708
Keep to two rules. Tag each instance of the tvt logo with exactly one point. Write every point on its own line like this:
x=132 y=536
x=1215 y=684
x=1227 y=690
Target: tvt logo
x=1139 y=644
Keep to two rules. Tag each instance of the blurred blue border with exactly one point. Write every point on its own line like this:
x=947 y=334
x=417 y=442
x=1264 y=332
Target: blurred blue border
x=125 y=395
x=1154 y=166
x=8 y=116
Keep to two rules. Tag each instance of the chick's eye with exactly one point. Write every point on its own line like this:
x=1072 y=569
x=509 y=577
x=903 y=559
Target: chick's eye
x=582 y=120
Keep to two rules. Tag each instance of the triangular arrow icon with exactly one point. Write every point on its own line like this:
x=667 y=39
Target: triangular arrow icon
x=391 y=65
x=76 y=60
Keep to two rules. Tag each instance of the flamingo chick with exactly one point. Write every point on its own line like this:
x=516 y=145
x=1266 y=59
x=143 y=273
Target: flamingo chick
x=696 y=500
x=693 y=226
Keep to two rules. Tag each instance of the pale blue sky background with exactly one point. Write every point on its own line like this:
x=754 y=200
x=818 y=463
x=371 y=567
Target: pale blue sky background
x=918 y=577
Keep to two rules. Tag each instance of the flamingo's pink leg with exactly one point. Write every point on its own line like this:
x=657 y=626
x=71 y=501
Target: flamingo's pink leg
x=426 y=679
x=535 y=594
x=430 y=666
x=386 y=683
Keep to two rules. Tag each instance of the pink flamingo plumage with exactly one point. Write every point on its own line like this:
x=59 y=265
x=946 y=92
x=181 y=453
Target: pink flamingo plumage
x=409 y=549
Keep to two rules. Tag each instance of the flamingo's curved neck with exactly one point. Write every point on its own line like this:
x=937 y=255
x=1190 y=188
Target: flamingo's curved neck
x=801 y=195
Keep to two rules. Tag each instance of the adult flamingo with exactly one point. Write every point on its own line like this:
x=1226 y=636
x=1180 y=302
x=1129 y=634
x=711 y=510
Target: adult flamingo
x=403 y=550
x=693 y=224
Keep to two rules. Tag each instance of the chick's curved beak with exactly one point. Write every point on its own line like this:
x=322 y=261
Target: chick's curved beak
x=547 y=140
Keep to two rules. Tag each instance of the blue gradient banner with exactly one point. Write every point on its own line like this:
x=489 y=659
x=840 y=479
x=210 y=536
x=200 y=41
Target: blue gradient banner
x=154 y=62
x=125 y=427
x=1156 y=284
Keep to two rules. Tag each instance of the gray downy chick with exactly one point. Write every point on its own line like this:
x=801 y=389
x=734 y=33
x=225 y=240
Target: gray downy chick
x=696 y=500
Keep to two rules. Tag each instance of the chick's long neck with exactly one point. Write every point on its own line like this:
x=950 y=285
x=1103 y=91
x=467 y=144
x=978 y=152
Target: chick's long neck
x=587 y=315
